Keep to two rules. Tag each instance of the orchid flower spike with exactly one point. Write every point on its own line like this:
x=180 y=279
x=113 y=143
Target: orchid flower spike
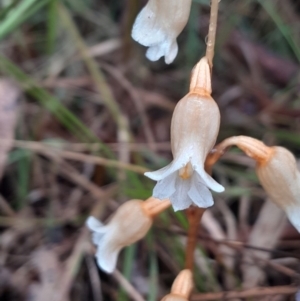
x=158 y=25
x=280 y=178
x=130 y=223
x=181 y=288
x=194 y=129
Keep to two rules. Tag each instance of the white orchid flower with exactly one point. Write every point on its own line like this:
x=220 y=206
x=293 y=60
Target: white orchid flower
x=130 y=223
x=280 y=177
x=194 y=129
x=158 y=25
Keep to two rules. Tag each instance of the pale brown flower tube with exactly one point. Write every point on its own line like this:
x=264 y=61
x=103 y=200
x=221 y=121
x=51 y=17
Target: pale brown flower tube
x=280 y=178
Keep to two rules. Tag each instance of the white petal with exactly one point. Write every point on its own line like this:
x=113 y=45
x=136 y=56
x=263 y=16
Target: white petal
x=95 y=225
x=98 y=229
x=293 y=213
x=171 y=53
x=167 y=48
x=165 y=187
x=155 y=52
x=146 y=29
x=107 y=257
x=180 y=199
x=199 y=193
x=167 y=170
x=207 y=179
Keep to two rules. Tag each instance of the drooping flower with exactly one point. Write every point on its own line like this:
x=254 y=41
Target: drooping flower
x=280 y=178
x=158 y=25
x=130 y=223
x=194 y=129
x=181 y=288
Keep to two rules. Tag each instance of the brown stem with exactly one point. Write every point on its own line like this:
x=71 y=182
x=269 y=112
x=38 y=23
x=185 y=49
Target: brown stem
x=211 y=38
x=194 y=216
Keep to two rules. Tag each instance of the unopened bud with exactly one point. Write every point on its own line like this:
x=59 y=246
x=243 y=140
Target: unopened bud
x=181 y=288
x=280 y=178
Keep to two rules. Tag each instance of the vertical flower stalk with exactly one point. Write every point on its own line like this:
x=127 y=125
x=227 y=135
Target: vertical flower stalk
x=158 y=25
x=130 y=223
x=211 y=38
x=194 y=129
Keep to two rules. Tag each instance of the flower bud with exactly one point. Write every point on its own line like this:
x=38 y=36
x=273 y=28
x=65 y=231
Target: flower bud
x=194 y=129
x=130 y=223
x=181 y=288
x=280 y=178
x=158 y=25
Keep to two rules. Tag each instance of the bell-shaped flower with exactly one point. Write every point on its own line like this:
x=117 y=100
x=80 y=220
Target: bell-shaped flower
x=280 y=177
x=194 y=129
x=130 y=223
x=181 y=288
x=158 y=25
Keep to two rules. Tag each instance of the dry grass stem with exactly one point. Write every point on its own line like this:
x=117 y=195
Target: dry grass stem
x=130 y=290
x=50 y=151
x=249 y=293
x=136 y=98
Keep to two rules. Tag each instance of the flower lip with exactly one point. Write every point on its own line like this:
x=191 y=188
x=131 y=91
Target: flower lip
x=188 y=166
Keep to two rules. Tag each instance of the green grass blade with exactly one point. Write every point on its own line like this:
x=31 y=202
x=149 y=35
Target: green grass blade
x=129 y=254
x=17 y=15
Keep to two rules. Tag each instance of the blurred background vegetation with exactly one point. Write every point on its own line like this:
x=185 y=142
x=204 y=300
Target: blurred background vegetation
x=94 y=114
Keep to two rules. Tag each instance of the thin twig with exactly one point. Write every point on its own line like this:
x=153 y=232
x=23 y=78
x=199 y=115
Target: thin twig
x=51 y=152
x=6 y=208
x=131 y=291
x=136 y=99
x=211 y=38
x=253 y=292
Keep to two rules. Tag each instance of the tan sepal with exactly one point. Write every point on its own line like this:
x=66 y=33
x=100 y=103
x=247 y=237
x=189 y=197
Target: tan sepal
x=154 y=206
x=182 y=287
x=201 y=78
